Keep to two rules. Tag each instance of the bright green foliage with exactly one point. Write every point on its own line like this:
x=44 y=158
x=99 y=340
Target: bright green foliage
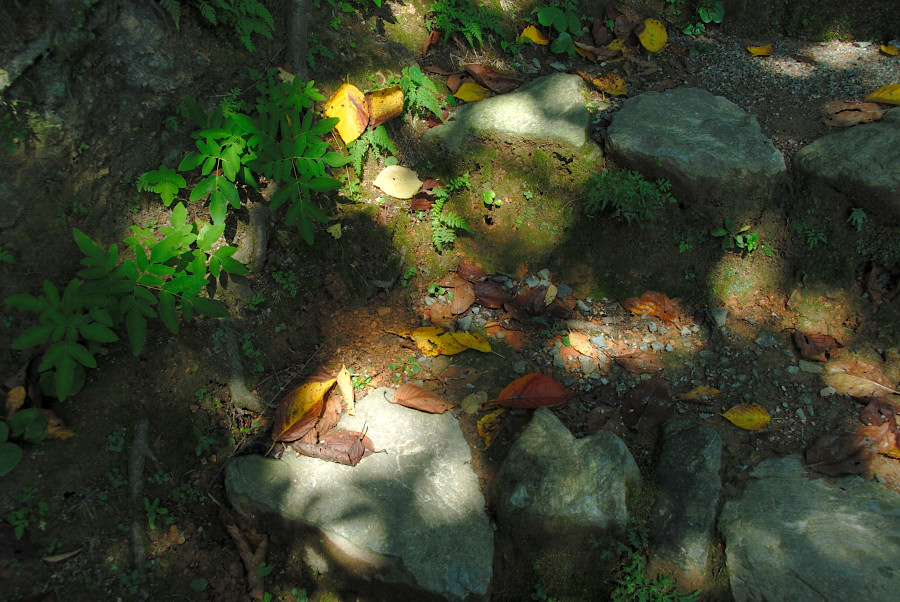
x=419 y=92
x=376 y=140
x=633 y=582
x=163 y=181
x=857 y=218
x=627 y=193
x=445 y=223
x=562 y=15
x=166 y=276
x=279 y=142
x=464 y=17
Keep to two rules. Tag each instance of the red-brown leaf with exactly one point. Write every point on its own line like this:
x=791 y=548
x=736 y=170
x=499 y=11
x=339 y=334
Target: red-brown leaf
x=418 y=398
x=490 y=294
x=433 y=37
x=601 y=33
x=420 y=202
x=652 y=303
x=471 y=272
x=815 y=345
x=533 y=391
x=838 y=455
x=342 y=447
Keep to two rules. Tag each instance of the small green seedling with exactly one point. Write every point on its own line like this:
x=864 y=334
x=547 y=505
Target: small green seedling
x=732 y=237
x=204 y=443
x=491 y=200
x=154 y=511
x=857 y=218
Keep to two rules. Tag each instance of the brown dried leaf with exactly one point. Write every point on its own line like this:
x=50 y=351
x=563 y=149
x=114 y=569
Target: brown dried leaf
x=533 y=391
x=432 y=38
x=647 y=405
x=455 y=81
x=345 y=386
x=420 y=202
x=838 y=455
x=600 y=32
x=457 y=376
x=342 y=447
x=490 y=294
x=640 y=362
x=877 y=412
x=418 y=398
x=495 y=81
x=859 y=379
x=815 y=345
x=606 y=420
x=471 y=272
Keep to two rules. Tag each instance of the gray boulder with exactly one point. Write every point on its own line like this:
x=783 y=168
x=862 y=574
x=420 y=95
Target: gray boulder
x=414 y=512
x=550 y=479
x=862 y=162
x=551 y=107
x=684 y=515
x=793 y=537
x=711 y=151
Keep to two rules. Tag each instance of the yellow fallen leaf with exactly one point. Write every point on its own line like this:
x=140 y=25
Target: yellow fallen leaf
x=889 y=49
x=349 y=105
x=532 y=33
x=760 y=50
x=398 y=181
x=345 y=387
x=585 y=53
x=611 y=83
x=14 y=400
x=698 y=393
x=384 y=104
x=335 y=231
x=299 y=410
x=748 y=416
x=654 y=36
x=580 y=343
x=886 y=94
x=617 y=44
x=488 y=425
x=472 y=340
x=472 y=92
x=433 y=340
x=550 y=295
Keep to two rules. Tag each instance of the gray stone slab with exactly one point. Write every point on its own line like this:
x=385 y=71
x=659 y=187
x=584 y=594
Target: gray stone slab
x=684 y=515
x=415 y=510
x=710 y=149
x=550 y=478
x=862 y=162
x=552 y=107
x=792 y=537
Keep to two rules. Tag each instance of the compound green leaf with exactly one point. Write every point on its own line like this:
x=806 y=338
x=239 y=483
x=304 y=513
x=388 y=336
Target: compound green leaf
x=215 y=266
x=324 y=184
x=102 y=317
x=191 y=161
x=80 y=354
x=87 y=246
x=167 y=311
x=218 y=208
x=64 y=376
x=209 y=234
x=233 y=266
x=136 y=324
x=210 y=307
x=26 y=302
x=10 y=456
x=324 y=126
x=52 y=356
x=203 y=188
x=150 y=280
x=98 y=332
x=51 y=292
x=179 y=214
x=33 y=336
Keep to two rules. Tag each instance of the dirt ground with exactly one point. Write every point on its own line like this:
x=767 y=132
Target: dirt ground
x=95 y=121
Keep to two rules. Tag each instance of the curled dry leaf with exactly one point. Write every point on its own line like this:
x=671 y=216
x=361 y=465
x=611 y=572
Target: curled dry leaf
x=600 y=32
x=647 y=405
x=748 y=416
x=651 y=303
x=384 y=104
x=640 y=362
x=488 y=425
x=299 y=411
x=859 y=379
x=457 y=376
x=580 y=343
x=345 y=386
x=533 y=391
x=419 y=398
x=350 y=106
x=490 y=294
x=497 y=82
x=815 y=345
x=342 y=447
x=432 y=38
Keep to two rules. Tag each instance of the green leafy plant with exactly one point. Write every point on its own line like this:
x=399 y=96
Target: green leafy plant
x=463 y=17
x=709 y=11
x=631 y=578
x=287 y=280
x=732 y=236
x=154 y=511
x=204 y=443
x=445 y=223
x=316 y=48
x=491 y=200
x=406 y=275
x=375 y=140
x=255 y=301
x=562 y=15
x=408 y=367
x=627 y=193
x=420 y=94
x=29 y=425
x=115 y=442
x=810 y=234
x=243 y=17
x=857 y=218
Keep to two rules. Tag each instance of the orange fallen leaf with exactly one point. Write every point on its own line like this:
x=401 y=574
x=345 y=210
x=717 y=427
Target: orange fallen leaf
x=815 y=345
x=700 y=393
x=889 y=49
x=580 y=343
x=840 y=113
x=432 y=38
x=533 y=391
x=748 y=416
x=652 y=303
x=419 y=398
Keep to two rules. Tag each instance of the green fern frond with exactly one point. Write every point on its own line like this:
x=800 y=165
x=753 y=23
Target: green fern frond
x=173 y=7
x=208 y=12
